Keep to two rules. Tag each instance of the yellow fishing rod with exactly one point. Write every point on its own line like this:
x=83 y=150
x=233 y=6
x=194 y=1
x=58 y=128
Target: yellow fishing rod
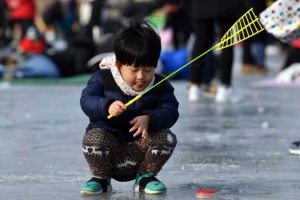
x=245 y=27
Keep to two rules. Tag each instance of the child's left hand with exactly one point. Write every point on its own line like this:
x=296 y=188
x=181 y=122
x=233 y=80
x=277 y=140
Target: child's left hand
x=141 y=124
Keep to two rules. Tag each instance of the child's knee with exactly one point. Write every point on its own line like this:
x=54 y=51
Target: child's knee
x=96 y=135
x=164 y=136
x=171 y=137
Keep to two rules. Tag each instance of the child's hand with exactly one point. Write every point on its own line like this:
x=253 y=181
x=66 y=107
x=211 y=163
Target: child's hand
x=116 y=108
x=141 y=124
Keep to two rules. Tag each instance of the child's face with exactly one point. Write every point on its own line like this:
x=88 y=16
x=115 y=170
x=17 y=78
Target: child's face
x=137 y=77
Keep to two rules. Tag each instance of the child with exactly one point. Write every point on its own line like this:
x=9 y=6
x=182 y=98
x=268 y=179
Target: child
x=136 y=142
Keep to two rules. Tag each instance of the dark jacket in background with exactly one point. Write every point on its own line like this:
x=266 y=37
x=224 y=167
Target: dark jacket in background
x=142 y=8
x=257 y=5
x=204 y=9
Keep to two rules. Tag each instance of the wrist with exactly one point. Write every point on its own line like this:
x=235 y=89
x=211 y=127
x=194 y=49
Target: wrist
x=107 y=105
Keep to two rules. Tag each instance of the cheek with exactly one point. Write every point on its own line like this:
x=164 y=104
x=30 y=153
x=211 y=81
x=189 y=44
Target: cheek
x=149 y=77
x=129 y=78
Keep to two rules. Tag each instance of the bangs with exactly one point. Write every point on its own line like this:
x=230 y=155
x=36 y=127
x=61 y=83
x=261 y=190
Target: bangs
x=138 y=52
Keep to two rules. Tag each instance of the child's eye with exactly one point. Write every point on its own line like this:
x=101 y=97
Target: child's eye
x=147 y=70
x=134 y=70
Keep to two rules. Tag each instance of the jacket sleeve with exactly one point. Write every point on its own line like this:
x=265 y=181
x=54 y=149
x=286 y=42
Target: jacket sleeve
x=92 y=101
x=166 y=114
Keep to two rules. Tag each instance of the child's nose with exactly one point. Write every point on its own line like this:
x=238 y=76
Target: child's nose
x=140 y=75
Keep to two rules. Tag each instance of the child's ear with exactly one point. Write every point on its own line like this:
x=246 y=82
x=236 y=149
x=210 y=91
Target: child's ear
x=118 y=64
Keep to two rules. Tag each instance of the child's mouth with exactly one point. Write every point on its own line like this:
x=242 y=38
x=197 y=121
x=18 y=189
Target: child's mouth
x=140 y=84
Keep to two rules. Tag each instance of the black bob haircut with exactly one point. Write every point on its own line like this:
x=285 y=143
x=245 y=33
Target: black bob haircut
x=138 y=44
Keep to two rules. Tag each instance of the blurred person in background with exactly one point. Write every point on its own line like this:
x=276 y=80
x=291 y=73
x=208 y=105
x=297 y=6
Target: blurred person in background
x=61 y=19
x=254 y=47
x=5 y=35
x=207 y=14
x=27 y=59
x=179 y=22
x=33 y=42
x=22 y=13
x=91 y=13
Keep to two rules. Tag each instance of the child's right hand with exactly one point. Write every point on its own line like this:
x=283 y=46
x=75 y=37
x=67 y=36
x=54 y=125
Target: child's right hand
x=116 y=108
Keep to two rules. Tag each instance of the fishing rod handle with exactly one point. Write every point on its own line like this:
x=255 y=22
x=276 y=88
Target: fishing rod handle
x=128 y=104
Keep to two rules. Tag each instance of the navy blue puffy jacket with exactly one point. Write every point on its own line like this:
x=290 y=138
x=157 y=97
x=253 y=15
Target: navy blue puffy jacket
x=159 y=103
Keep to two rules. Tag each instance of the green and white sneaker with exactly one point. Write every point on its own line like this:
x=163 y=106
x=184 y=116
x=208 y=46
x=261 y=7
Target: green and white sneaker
x=97 y=186
x=149 y=184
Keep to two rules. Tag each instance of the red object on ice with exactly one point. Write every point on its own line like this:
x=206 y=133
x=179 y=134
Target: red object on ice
x=205 y=194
